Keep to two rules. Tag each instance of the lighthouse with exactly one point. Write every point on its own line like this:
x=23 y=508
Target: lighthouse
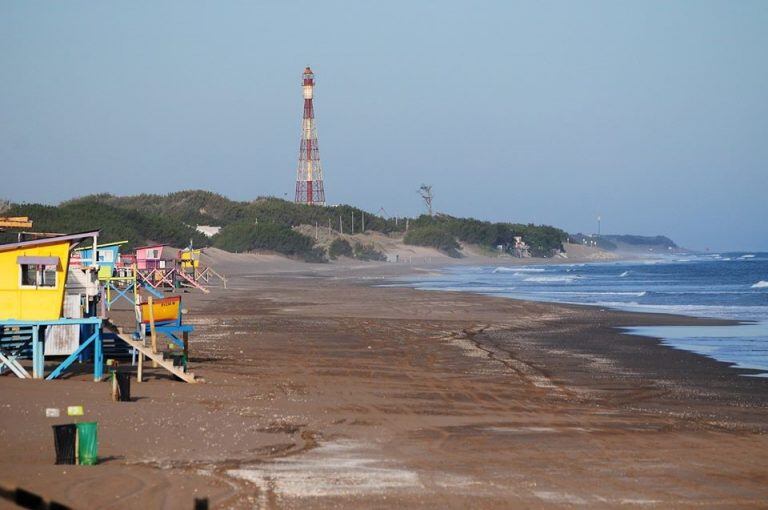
x=309 y=175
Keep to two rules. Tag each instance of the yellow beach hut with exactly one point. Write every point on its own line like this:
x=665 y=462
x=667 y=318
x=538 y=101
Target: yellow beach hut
x=33 y=275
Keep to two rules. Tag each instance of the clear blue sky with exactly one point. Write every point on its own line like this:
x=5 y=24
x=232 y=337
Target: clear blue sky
x=652 y=114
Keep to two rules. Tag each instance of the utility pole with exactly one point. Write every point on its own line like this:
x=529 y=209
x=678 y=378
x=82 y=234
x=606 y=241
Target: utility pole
x=598 y=227
x=341 y=227
x=363 y=219
x=426 y=193
x=353 y=222
x=329 y=226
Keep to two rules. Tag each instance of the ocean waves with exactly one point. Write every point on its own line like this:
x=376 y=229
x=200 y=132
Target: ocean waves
x=551 y=279
x=518 y=270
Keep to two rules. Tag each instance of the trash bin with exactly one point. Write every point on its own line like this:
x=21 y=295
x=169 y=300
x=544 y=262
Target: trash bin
x=123 y=386
x=64 y=443
x=178 y=360
x=88 y=450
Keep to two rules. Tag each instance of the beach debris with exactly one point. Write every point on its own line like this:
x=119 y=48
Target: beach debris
x=52 y=412
x=75 y=411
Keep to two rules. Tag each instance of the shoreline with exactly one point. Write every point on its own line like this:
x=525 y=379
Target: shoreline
x=325 y=391
x=646 y=329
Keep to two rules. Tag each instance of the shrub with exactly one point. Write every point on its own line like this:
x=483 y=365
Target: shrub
x=246 y=236
x=542 y=239
x=433 y=236
x=368 y=252
x=340 y=248
x=116 y=224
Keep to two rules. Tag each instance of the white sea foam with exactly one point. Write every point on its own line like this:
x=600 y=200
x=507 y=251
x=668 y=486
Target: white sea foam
x=599 y=293
x=518 y=270
x=479 y=288
x=723 y=312
x=747 y=256
x=625 y=273
x=762 y=284
x=550 y=279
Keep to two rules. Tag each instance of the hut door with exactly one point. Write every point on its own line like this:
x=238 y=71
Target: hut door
x=64 y=340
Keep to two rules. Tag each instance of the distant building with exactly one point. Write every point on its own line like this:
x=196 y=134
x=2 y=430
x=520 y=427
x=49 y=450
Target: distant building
x=520 y=249
x=208 y=230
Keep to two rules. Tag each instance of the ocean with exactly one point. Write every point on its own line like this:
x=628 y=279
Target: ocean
x=723 y=285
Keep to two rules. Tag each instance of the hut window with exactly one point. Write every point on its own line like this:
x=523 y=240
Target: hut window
x=29 y=275
x=38 y=275
x=49 y=276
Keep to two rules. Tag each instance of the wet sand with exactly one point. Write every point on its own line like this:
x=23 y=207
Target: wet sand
x=323 y=391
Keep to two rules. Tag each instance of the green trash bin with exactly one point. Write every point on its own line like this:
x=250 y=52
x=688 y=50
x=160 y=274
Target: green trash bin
x=88 y=443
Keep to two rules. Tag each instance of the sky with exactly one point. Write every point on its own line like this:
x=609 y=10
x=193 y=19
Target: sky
x=650 y=114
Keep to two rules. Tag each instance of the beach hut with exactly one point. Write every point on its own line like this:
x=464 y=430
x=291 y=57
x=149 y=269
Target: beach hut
x=189 y=260
x=33 y=275
x=35 y=305
x=157 y=256
x=108 y=257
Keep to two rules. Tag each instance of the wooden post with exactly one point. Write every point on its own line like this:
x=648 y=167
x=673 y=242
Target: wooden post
x=185 y=339
x=114 y=386
x=152 y=333
x=140 y=369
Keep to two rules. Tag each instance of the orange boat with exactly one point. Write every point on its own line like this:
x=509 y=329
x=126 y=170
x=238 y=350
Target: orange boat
x=165 y=309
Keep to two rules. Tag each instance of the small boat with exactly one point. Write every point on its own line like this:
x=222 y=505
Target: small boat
x=164 y=309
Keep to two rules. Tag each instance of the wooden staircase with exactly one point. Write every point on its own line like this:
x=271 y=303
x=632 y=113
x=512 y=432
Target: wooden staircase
x=190 y=282
x=157 y=357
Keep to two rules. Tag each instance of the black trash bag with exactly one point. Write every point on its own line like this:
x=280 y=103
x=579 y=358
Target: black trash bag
x=123 y=386
x=64 y=443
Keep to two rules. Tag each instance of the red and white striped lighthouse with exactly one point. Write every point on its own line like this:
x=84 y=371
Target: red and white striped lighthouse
x=309 y=175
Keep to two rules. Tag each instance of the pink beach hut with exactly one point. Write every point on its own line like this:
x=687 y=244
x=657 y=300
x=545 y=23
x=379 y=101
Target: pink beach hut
x=158 y=256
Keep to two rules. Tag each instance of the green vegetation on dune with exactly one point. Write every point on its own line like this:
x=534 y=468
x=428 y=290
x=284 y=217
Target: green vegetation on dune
x=367 y=252
x=435 y=231
x=340 y=248
x=247 y=236
x=116 y=224
x=267 y=223
x=433 y=236
x=197 y=207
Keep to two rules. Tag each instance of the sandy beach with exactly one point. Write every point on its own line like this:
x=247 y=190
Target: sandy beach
x=322 y=390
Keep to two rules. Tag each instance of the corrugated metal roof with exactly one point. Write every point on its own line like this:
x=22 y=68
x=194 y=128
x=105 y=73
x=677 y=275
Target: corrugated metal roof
x=49 y=240
x=152 y=246
x=105 y=245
